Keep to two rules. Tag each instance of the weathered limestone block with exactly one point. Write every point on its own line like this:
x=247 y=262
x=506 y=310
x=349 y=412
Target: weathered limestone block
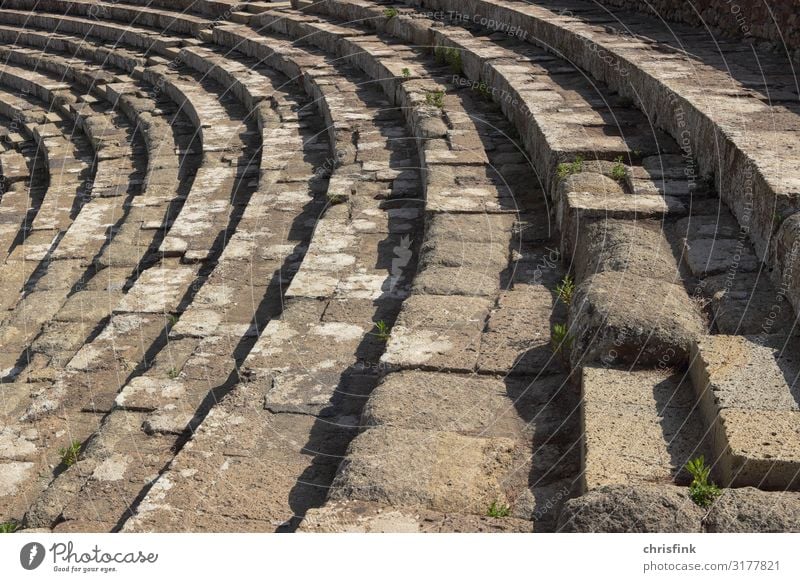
x=639 y=427
x=425 y=469
x=748 y=392
x=621 y=317
x=638 y=509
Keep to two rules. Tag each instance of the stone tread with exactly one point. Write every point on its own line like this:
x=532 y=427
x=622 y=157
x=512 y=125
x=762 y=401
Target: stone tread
x=747 y=387
x=667 y=79
x=187 y=341
x=323 y=380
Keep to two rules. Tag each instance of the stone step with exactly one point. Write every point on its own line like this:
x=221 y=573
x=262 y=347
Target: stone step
x=639 y=427
x=366 y=517
x=747 y=391
x=759 y=195
x=171 y=22
x=326 y=327
x=207 y=336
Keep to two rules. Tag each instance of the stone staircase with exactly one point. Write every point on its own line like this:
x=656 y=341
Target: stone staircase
x=348 y=265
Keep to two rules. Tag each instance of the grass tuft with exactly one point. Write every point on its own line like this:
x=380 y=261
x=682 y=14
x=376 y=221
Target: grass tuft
x=383 y=330
x=702 y=491
x=568 y=168
x=9 y=527
x=561 y=341
x=498 y=509
x=390 y=13
x=435 y=99
x=69 y=455
x=566 y=289
x=618 y=172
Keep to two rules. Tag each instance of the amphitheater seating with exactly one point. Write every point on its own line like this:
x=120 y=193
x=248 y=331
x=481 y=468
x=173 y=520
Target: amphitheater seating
x=347 y=265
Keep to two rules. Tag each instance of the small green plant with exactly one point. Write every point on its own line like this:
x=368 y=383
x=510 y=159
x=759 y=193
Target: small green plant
x=568 y=168
x=702 y=491
x=172 y=320
x=406 y=73
x=453 y=59
x=383 y=330
x=560 y=339
x=390 y=13
x=498 y=509
x=566 y=289
x=9 y=527
x=618 y=172
x=69 y=455
x=335 y=198
x=435 y=99
x=173 y=373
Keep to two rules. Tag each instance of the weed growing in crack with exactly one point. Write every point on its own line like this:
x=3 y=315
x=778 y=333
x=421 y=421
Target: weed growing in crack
x=173 y=373
x=453 y=59
x=498 y=509
x=69 y=455
x=172 y=320
x=406 y=73
x=390 y=13
x=435 y=99
x=561 y=341
x=618 y=172
x=702 y=491
x=383 y=330
x=9 y=527
x=568 y=168
x=566 y=289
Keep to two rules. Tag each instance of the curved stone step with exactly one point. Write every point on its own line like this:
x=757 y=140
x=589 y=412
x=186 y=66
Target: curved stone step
x=640 y=60
x=157 y=425
x=324 y=382
x=104 y=205
x=747 y=388
x=449 y=307
x=23 y=182
x=170 y=22
x=112 y=334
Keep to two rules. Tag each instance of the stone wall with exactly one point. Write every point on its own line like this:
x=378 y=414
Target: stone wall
x=774 y=21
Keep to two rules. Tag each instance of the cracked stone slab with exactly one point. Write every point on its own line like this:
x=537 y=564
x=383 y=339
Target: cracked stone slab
x=470 y=405
x=147 y=393
x=437 y=331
